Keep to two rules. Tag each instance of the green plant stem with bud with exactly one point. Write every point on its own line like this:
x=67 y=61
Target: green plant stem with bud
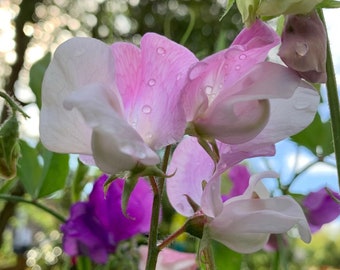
x=333 y=101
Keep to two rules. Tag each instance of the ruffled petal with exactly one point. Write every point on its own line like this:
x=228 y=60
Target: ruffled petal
x=191 y=165
x=245 y=225
x=220 y=71
x=156 y=75
x=76 y=63
x=116 y=145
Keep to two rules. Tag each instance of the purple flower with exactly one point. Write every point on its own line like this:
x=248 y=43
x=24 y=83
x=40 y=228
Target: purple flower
x=321 y=208
x=96 y=227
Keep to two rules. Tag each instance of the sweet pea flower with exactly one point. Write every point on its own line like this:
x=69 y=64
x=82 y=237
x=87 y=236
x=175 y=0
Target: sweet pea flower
x=233 y=95
x=243 y=222
x=304 y=46
x=95 y=227
x=118 y=104
x=169 y=259
x=321 y=208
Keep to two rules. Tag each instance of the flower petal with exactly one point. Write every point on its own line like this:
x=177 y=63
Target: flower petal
x=116 y=146
x=191 y=165
x=77 y=62
x=220 y=71
x=158 y=74
x=245 y=225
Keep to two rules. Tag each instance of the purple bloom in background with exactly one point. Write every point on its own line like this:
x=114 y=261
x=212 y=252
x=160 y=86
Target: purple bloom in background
x=321 y=208
x=96 y=227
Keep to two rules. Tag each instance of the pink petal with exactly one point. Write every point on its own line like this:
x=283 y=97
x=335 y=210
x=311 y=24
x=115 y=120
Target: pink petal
x=116 y=145
x=191 y=165
x=237 y=118
x=211 y=202
x=158 y=74
x=76 y=63
x=220 y=71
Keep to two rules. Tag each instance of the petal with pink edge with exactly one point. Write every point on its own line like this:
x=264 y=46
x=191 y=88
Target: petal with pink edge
x=157 y=79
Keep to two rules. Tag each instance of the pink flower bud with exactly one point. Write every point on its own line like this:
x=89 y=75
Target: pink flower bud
x=303 y=46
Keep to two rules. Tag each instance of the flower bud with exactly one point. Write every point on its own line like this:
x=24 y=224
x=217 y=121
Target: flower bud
x=9 y=148
x=304 y=44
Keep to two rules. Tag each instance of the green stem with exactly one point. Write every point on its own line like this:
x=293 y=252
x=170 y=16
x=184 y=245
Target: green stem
x=333 y=101
x=189 y=28
x=12 y=104
x=35 y=203
x=156 y=205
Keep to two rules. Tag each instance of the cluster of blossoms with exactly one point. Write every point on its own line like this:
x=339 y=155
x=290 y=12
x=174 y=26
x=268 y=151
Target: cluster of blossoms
x=119 y=106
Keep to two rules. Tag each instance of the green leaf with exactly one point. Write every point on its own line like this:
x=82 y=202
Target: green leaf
x=55 y=172
x=29 y=169
x=317 y=136
x=36 y=76
x=227 y=8
x=129 y=186
x=329 y=4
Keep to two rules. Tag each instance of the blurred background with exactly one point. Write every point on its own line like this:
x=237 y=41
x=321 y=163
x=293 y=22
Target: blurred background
x=30 y=31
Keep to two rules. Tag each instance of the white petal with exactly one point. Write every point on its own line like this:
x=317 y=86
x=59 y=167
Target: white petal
x=76 y=63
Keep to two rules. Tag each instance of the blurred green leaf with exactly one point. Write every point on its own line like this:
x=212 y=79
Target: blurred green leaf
x=36 y=76
x=29 y=169
x=317 y=135
x=226 y=258
x=329 y=4
x=55 y=172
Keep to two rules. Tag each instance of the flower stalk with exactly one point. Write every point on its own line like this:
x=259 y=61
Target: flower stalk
x=333 y=100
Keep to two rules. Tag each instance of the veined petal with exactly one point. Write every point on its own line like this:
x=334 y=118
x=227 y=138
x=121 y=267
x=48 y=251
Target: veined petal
x=240 y=117
x=190 y=171
x=220 y=71
x=116 y=146
x=76 y=63
x=245 y=225
x=151 y=92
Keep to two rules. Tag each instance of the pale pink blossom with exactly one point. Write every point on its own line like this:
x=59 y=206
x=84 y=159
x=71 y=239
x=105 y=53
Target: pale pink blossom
x=169 y=259
x=234 y=94
x=243 y=222
x=118 y=103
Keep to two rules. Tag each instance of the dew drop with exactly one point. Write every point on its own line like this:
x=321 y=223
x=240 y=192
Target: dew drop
x=242 y=57
x=148 y=136
x=197 y=70
x=208 y=90
x=146 y=109
x=151 y=82
x=301 y=48
x=238 y=67
x=161 y=50
x=179 y=76
x=127 y=149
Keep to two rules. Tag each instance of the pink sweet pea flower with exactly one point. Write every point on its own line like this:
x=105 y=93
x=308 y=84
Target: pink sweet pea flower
x=233 y=95
x=117 y=103
x=243 y=222
x=169 y=259
x=321 y=208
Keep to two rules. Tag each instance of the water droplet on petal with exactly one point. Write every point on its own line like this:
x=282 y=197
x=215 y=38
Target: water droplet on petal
x=127 y=149
x=242 y=57
x=179 y=76
x=301 y=104
x=161 y=50
x=238 y=67
x=146 y=109
x=197 y=70
x=208 y=90
x=301 y=48
x=151 y=82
